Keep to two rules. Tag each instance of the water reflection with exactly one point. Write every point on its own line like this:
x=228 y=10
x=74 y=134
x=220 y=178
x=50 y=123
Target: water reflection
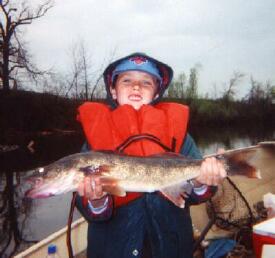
x=210 y=140
x=23 y=221
x=13 y=214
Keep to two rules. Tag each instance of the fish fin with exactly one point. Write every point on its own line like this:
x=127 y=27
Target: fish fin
x=242 y=167
x=177 y=199
x=110 y=185
x=251 y=161
x=177 y=194
x=268 y=147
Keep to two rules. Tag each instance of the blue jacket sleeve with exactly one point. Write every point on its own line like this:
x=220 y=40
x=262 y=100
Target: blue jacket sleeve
x=190 y=150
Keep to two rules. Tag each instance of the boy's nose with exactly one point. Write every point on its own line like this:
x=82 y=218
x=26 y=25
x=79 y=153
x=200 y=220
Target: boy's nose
x=136 y=85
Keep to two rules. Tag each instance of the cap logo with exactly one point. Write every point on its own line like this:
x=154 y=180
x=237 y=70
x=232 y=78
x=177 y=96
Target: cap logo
x=138 y=60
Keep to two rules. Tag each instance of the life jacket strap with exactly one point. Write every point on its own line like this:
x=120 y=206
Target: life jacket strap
x=145 y=136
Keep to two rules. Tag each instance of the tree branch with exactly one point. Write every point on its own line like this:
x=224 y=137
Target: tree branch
x=13 y=51
x=26 y=17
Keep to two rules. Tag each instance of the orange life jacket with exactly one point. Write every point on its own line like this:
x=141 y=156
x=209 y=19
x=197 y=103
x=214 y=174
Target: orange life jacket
x=106 y=129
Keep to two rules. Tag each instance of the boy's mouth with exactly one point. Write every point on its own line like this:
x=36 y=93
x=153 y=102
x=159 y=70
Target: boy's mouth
x=135 y=97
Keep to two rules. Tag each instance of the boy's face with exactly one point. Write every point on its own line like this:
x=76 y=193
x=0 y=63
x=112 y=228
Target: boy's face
x=134 y=88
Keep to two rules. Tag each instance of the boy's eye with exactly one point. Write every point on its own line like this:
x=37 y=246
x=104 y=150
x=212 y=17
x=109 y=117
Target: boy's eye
x=126 y=80
x=147 y=83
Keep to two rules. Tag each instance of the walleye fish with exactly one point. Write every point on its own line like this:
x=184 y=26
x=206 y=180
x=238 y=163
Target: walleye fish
x=165 y=173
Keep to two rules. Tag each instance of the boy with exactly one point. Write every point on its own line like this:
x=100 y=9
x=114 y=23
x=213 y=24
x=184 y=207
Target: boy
x=140 y=225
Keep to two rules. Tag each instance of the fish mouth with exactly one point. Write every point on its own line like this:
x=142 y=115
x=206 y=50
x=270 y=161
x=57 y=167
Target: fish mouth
x=40 y=188
x=34 y=194
x=34 y=181
x=37 y=189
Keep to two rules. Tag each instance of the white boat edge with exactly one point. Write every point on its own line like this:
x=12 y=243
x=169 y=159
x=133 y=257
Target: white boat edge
x=253 y=190
x=78 y=236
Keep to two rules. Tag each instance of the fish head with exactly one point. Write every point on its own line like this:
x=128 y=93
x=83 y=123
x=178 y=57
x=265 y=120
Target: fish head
x=51 y=180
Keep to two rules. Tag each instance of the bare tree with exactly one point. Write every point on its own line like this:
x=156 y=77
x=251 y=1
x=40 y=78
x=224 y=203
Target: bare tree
x=214 y=91
x=80 y=71
x=84 y=81
x=14 y=55
x=98 y=86
x=230 y=92
x=75 y=70
x=55 y=83
x=85 y=61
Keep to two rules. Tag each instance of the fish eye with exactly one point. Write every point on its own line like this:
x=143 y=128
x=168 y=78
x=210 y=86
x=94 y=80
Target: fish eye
x=41 y=170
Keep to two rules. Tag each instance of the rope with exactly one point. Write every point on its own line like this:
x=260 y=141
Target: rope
x=69 y=224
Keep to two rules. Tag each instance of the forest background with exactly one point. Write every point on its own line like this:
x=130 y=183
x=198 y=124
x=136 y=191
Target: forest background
x=34 y=100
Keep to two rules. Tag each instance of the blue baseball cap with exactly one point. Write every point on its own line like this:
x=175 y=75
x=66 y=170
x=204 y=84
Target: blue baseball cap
x=138 y=62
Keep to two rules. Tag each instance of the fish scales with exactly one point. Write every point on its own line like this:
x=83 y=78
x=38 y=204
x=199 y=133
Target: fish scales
x=168 y=174
x=155 y=171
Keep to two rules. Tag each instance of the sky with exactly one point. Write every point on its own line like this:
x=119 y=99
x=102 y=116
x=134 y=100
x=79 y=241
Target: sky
x=222 y=36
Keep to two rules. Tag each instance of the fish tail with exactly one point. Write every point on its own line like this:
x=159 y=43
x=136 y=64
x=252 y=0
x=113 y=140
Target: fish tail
x=250 y=161
x=242 y=168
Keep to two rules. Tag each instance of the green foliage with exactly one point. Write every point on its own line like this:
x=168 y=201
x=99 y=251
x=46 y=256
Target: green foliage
x=192 y=89
x=177 y=87
x=218 y=113
x=29 y=111
x=261 y=92
x=212 y=113
x=180 y=89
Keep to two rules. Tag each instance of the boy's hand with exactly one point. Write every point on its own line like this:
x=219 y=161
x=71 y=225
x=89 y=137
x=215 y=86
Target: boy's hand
x=212 y=172
x=91 y=188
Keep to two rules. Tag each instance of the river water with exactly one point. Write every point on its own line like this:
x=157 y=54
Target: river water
x=23 y=221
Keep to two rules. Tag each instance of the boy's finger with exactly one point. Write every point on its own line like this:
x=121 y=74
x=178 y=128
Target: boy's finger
x=210 y=173
x=88 y=192
x=223 y=172
x=80 y=188
x=98 y=188
x=221 y=151
x=98 y=191
x=93 y=185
